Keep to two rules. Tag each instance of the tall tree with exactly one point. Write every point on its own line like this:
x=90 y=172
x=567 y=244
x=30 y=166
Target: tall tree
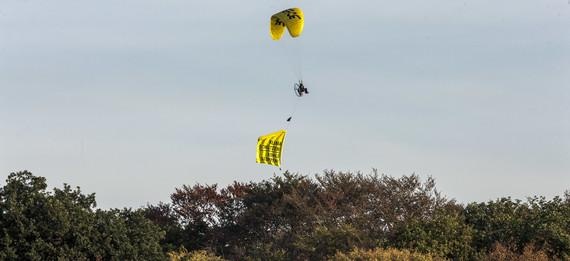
x=36 y=224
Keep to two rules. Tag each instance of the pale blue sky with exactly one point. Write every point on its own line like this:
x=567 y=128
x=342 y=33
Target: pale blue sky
x=132 y=98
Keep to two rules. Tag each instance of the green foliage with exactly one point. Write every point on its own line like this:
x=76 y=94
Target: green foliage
x=126 y=235
x=164 y=216
x=445 y=234
x=539 y=222
x=326 y=241
x=548 y=226
x=496 y=221
x=296 y=217
x=338 y=216
x=38 y=225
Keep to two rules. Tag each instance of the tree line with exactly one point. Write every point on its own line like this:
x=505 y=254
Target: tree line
x=329 y=216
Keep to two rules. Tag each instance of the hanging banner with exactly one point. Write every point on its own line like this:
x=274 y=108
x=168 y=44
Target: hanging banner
x=269 y=148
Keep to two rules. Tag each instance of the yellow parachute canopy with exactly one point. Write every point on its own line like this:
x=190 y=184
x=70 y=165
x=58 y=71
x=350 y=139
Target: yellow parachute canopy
x=269 y=148
x=291 y=18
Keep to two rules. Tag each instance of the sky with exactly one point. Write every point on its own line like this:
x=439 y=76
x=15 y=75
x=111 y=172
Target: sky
x=131 y=99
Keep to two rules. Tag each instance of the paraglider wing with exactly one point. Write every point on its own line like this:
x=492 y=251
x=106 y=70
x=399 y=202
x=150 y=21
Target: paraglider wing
x=292 y=18
x=269 y=148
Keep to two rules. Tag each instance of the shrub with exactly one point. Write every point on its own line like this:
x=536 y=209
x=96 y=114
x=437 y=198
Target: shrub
x=384 y=254
x=198 y=255
x=503 y=253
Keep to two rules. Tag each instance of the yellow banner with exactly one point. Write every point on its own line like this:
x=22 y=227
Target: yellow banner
x=269 y=148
